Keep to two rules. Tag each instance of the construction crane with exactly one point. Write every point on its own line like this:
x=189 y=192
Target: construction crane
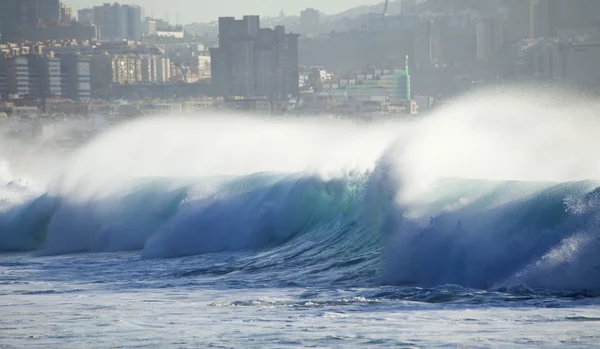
x=532 y=8
x=385 y=10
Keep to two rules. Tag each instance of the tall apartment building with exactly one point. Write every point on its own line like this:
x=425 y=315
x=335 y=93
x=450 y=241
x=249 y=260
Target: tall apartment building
x=3 y=77
x=100 y=74
x=155 y=69
x=562 y=61
x=39 y=20
x=133 y=23
x=44 y=76
x=148 y=27
x=126 y=69
x=75 y=77
x=570 y=17
x=310 y=21
x=490 y=37
x=149 y=68
x=86 y=16
x=163 y=70
x=3 y=91
x=254 y=62
x=549 y=18
x=18 y=17
x=117 y=22
x=46 y=11
x=16 y=75
x=66 y=14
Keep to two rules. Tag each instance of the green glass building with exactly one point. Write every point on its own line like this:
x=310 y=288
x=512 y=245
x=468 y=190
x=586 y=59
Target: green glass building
x=401 y=88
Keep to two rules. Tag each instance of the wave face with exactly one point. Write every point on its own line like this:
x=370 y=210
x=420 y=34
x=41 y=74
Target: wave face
x=169 y=218
x=474 y=233
x=398 y=204
x=489 y=234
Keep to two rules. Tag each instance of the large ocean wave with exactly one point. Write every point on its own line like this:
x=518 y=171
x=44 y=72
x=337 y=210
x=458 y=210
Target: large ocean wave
x=459 y=198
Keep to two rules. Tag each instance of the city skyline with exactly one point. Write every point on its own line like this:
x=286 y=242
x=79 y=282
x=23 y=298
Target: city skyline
x=190 y=11
x=355 y=58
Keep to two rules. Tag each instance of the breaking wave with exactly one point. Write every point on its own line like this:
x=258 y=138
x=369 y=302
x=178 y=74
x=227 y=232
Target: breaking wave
x=459 y=198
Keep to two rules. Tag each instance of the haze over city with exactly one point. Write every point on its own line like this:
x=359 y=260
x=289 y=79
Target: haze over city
x=190 y=11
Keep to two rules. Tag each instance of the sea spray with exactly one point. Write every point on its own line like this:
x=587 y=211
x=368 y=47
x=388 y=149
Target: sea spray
x=485 y=192
x=516 y=160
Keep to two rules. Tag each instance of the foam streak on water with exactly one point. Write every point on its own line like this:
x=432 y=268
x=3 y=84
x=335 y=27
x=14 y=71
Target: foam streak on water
x=478 y=225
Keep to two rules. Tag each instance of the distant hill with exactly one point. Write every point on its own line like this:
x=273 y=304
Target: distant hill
x=329 y=22
x=394 y=8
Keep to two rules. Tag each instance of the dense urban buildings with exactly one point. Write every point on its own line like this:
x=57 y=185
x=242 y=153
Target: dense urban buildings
x=103 y=50
x=349 y=63
x=254 y=62
x=36 y=20
x=19 y=17
x=78 y=70
x=549 y=18
x=45 y=76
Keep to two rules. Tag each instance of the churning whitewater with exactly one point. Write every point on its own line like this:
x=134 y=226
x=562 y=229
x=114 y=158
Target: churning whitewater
x=493 y=191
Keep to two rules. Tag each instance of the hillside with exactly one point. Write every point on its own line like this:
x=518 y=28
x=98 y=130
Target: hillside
x=329 y=21
x=394 y=7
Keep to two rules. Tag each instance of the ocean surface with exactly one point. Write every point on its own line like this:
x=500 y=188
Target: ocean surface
x=170 y=233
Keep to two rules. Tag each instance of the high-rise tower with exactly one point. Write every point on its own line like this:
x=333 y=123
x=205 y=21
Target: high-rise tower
x=254 y=62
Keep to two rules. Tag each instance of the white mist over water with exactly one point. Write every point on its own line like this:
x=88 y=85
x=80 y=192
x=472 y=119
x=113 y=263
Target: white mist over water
x=222 y=145
x=518 y=134
x=512 y=211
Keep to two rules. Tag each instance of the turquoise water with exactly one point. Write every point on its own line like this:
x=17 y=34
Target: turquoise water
x=288 y=260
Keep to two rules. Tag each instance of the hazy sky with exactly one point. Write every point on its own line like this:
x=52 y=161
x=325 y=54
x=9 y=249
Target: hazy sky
x=208 y=10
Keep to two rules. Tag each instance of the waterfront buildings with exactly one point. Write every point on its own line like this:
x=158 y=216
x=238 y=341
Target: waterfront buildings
x=44 y=76
x=15 y=79
x=126 y=69
x=374 y=84
x=490 y=37
x=75 y=77
x=95 y=68
x=108 y=71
